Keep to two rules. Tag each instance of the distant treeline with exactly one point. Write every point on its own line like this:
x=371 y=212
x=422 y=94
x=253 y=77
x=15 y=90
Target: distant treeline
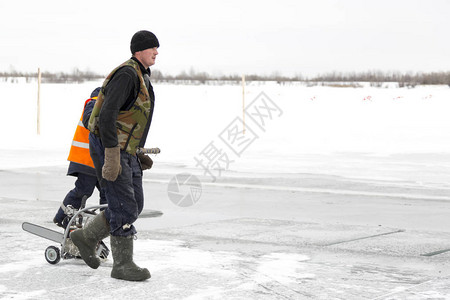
x=376 y=78
x=76 y=76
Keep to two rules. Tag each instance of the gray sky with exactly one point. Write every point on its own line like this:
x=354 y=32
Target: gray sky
x=229 y=37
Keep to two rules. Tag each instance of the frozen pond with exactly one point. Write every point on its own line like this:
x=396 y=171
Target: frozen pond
x=332 y=193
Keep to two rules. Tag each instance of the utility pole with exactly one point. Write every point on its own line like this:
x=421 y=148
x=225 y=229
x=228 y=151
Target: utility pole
x=243 y=102
x=39 y=103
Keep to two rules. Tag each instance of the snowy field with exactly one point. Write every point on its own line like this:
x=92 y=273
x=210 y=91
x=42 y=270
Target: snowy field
x=331 y=193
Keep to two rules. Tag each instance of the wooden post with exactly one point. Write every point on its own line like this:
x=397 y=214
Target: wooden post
x=39 y=103
x=243 y=102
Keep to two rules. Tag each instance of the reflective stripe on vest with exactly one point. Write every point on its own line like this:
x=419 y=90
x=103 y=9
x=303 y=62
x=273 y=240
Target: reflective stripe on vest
x=80 y=144
x=79 y=151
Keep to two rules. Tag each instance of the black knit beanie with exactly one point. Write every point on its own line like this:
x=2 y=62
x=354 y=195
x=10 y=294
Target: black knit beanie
x=142 y=40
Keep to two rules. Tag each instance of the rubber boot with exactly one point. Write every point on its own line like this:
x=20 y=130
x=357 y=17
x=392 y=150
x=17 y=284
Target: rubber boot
x=123 y=267
x=87 y=238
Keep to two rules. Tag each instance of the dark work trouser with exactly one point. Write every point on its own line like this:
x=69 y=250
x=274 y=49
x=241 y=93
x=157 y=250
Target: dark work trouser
x=84 y=187
x=125 y=195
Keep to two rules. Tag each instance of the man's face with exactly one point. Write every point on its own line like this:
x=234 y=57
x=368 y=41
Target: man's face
x=147 y=57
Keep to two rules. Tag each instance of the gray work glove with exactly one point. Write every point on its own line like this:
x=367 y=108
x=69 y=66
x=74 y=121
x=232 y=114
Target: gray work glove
x=112 y=168
x=146 y=161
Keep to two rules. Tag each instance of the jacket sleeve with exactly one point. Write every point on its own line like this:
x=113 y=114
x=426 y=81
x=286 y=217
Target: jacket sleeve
x=87 y=112
x=117 y=92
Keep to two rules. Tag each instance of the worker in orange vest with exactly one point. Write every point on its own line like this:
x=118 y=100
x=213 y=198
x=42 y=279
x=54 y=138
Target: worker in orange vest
x=82 y=167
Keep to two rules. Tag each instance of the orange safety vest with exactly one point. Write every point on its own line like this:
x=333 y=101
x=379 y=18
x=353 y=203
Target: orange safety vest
x=79 y=151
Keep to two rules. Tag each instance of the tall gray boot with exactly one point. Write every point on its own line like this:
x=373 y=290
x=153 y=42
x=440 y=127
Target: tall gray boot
x=87 y=238
x=123 y=266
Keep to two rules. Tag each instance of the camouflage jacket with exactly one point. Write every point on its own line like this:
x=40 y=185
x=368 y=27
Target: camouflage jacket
x=131 y=124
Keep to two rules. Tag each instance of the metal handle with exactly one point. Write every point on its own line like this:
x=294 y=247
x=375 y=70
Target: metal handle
x=148 y=151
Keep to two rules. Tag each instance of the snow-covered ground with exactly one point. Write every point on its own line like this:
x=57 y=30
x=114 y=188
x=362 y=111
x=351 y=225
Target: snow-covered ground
x=331 y=193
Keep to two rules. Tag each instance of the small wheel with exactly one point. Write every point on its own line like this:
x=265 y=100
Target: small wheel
x=52 y=255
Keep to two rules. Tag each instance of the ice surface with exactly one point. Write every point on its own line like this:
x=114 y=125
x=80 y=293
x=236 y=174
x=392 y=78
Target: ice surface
x=338 y=197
